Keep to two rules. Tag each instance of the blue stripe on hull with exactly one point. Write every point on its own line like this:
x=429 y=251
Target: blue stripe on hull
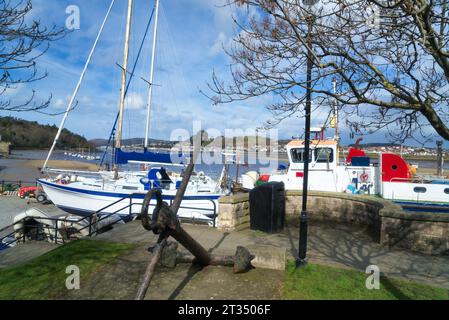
x=123 y=195
x=423 y=206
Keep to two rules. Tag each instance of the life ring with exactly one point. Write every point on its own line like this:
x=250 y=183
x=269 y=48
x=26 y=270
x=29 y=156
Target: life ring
x=364 y=177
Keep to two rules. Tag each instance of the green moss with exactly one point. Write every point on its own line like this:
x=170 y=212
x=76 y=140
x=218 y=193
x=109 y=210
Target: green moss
x=45 y=276
x=316 y=282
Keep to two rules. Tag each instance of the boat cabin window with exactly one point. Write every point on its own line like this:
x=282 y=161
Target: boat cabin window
x=420 y=190
x=298 y=155
x=446 y=191
x=324 y=155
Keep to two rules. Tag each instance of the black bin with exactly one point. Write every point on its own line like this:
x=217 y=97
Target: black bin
x=267 y=207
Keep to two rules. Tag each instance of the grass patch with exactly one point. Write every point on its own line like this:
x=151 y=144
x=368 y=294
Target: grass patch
x=44 y=277
x=317 y=282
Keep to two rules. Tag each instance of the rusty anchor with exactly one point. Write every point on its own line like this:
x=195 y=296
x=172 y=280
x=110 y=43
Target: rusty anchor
x=164 y=222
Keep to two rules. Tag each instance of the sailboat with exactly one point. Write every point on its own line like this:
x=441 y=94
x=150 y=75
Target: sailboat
x=122 y=192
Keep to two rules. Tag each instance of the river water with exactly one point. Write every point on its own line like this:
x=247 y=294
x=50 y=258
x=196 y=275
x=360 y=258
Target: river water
x=264 y=165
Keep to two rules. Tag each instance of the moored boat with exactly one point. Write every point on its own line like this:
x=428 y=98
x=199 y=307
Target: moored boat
x=390 y=177
x=120 y=191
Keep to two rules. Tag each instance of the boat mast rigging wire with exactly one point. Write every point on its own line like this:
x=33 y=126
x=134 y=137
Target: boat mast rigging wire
x=78 y=85
x=112 y=134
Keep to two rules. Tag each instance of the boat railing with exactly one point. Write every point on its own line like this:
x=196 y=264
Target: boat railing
x=56 y=230
x=411 y=180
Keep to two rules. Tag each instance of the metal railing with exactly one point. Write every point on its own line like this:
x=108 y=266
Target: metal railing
x=56 y=230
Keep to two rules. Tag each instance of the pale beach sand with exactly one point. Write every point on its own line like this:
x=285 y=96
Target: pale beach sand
x=29 y=170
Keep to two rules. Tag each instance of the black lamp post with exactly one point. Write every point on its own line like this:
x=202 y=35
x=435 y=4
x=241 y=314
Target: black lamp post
x=304 y=219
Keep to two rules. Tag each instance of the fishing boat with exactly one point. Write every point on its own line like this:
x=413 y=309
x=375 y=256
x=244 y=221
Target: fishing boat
x=390 y=176
x=122 y=191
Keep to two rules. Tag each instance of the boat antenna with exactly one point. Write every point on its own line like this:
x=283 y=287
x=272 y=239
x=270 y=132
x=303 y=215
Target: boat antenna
x=150 y=91
x=78 y=85
x=118 y=144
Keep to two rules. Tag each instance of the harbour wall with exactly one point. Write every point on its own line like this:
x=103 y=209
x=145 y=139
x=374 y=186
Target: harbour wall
x=389 y=224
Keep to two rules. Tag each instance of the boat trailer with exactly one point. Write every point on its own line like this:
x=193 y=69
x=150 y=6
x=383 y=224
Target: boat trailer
x=164 y=222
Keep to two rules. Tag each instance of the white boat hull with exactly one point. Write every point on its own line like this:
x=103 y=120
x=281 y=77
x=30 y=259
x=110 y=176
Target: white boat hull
x=416 y=192
x=84 y=202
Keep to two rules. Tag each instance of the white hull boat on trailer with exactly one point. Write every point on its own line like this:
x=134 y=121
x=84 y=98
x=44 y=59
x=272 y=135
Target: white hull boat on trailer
x=83 y=195
x=123 y=192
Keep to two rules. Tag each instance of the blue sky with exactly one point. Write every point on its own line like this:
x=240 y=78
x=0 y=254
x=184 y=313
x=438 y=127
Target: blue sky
x=191 y=36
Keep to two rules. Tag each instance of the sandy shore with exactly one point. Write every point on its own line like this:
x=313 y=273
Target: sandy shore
x=29 y=170
x=431 y=172
x=62 y=164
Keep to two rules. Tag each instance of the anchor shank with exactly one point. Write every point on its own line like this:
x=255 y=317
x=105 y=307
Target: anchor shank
x=202 y=256
x=182 y=190
x=185 y=182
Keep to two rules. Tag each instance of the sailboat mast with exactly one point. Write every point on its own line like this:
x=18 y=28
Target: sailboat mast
x=150 y=91
x=118 y=143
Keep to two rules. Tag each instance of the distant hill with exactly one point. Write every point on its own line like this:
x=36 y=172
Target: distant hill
x=32 y=135
x=376 y=145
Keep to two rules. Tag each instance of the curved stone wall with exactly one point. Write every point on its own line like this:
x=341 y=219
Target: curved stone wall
x=394 y=227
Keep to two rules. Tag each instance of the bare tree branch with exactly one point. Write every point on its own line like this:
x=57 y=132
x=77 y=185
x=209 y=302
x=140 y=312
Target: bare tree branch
x=21 y=45
x=390 y=58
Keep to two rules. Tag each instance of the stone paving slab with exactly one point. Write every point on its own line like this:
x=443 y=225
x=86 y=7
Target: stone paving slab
x=331 y=244
x=20 y=254
x=121 y=279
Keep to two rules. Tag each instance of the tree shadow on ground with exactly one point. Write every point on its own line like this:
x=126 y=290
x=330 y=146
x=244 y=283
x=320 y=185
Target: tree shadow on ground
x=353 y=246
x=393 y=289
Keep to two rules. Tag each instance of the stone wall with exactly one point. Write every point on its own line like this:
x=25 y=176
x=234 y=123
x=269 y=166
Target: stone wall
x=339 y=207
x=234 y=212
x=423 y=232
x=393 y=227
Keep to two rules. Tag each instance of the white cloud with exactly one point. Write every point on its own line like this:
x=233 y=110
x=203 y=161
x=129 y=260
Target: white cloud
x=135 y=101
x=221 y=42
